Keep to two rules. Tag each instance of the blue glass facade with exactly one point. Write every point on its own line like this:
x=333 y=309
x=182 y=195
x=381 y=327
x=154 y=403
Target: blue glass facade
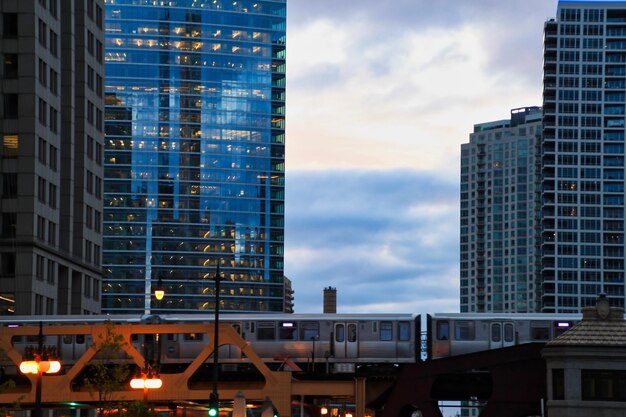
x=194 y=156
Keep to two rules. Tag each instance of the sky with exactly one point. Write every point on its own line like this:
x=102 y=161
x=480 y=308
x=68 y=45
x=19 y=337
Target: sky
x=380 y=96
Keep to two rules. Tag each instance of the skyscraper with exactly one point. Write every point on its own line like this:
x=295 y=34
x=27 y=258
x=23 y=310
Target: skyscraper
x=194 y=158
x=583 y=155
x=499 y=209
x=51 y=156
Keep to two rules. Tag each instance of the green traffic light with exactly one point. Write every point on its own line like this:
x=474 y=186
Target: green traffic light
x=213 y=412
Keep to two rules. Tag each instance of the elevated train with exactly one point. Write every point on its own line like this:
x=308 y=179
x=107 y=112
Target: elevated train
x=341 y=342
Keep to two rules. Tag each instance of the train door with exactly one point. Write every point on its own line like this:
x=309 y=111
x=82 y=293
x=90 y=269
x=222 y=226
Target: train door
x=502 y=334
x=346 y=340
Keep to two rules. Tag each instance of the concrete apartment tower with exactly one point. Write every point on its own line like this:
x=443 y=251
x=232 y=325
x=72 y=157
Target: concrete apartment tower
x=499 y=209
x=51 y=156
x=195 y=155
x=583 y=156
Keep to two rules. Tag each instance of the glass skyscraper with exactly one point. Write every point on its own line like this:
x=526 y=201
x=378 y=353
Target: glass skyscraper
x=194 y=154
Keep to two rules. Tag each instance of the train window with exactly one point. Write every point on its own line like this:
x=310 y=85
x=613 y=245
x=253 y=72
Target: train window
x=404 y=331
x=495 y=332
x=340 y=333
x=309 y=330
x=80 y=339
x=464 y=330
x=539 y=331
x=374 y=327
x=386 y=331
x=266 y=330
x=443 y=330
x=237 y=328
x=509 y=334
x=193 y=337
x=351 y=332
x=67 y=339
x=288 y=331
x=134 y=337
x=32 y=339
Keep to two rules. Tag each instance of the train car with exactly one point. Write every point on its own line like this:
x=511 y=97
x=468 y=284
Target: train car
x=460 y=333
x=343 y=341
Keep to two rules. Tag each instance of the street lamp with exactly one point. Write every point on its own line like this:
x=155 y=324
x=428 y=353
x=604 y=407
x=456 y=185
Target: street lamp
x=38 y=361
x=148 y=378
x=159 y=290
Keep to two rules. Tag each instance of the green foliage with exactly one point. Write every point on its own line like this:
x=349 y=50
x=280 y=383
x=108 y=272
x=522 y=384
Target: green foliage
x=104 y=375
x=139 y=409
x=6 y=385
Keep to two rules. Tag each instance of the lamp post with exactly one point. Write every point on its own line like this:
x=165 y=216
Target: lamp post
x=146 y=380
x=214 y=398
x=38 y=361
x=313 y=353
x=159 y=293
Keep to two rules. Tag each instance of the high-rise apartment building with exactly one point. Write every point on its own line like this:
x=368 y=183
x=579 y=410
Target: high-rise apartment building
x=194 y=156
x=583 y=155
x=499 y=189
x=51 y=156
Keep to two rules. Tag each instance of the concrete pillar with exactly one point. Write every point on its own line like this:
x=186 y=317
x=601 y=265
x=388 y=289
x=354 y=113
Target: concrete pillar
x=268 y=408
x=239 y=405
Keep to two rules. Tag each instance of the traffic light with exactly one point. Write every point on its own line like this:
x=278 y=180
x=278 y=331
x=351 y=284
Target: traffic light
x=214 y=405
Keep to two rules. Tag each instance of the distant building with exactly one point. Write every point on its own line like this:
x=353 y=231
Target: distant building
x=288 y=291
x=51 y=156
x=583 y=155
x=195 y=155
x=499 y=211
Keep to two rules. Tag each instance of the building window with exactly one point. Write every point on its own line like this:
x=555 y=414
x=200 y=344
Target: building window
x=97 y=221
x=10 y=146
x=54 y=120
x=40 y=264
x=51 y=276
x=52 y=195
x=9 y=25
x=10 y=66
x=52 y=233
x=54 y=43
x=10 y=106
x=53 y=158
x=9 y=185
x=43 y=73
x=9 y=221
x=41 y=189
x=41 y=228
x=43 y=112
x=7 y=264
x=90 y=143
x=88 y=216
x=603 y=385
x=43 y=32
x=54 y=82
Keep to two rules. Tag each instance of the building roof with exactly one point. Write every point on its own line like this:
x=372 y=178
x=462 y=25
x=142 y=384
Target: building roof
x=600 y=326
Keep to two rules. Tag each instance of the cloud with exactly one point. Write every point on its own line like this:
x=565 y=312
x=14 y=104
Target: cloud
x=379 y=237
x=374 y=86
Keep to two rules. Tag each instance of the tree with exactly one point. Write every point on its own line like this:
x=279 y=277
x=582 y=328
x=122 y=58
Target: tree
x=104 y=375
x=5 y=385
